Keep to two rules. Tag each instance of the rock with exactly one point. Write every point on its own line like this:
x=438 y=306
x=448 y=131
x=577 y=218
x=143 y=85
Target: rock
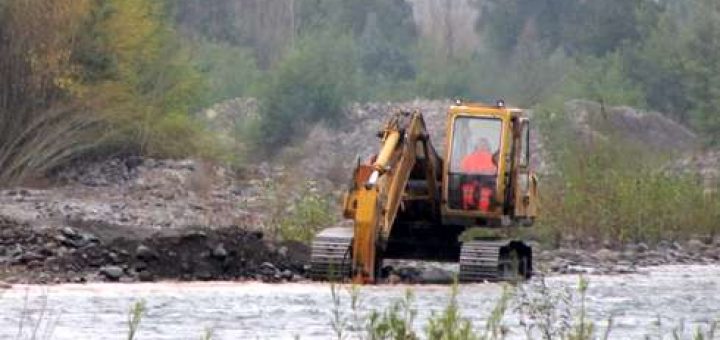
x=4 y=285
x=30 y=256
x=605 y=254
x=114 y=257
x=712 y=253
x=143 y=252
x=287 y=275
x=269 y=273
x=283 y=251
x=628 y=255
x=15 y=251
x=436 y=275
x=219 y=252
x=558 y=265
x=203 y=275
x=195 y=234
x=70 y=233
x=696 y=246
x=48 y=249
x=145 y=276
x=140 y=265
x=113 y=273
x=267 y=268
x=575 y=269
x=127 y=279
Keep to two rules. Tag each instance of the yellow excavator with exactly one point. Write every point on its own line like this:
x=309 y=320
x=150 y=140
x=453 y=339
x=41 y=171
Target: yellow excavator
x=407 y=202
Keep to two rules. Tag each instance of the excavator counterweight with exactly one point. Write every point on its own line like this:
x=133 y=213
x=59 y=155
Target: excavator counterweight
x=408 y=202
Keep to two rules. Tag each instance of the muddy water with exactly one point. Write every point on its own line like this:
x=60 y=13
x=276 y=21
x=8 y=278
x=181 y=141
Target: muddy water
x=261 y=311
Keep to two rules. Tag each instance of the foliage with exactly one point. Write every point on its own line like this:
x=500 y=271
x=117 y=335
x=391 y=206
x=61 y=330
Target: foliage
x=298 y=214
x=396 y=322
x=40 y=123
x=678 y=62
x=442 y=77
x=603 y=80
x=137 y=312
x=578 y=27
x=312 y=83
x=543 y=309
x=450 y=324
x=92 y=76
x=148 y=87
x=612 y=189
x=230 y=71
x=544 y=312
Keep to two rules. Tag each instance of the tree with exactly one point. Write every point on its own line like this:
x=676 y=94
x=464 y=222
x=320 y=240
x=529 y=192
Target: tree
x=703 y=68
x=312 y=83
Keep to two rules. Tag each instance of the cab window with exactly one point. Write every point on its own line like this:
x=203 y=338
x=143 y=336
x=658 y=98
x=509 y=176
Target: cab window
x=525 y=144
x=476 y=140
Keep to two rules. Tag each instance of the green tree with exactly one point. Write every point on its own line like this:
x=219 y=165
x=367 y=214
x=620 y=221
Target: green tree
x=384 y=31
x=312 y=83
x=135 y=67
x=703 y=68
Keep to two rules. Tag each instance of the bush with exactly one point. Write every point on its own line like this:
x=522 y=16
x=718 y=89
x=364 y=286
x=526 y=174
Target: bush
x=298 y=214
x=230 y=71
x=617 y=191
x=603 y=80
x=313 y=83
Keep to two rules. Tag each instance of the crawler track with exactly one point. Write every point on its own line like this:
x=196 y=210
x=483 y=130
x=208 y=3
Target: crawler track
x=495 y=260
x=331 y=257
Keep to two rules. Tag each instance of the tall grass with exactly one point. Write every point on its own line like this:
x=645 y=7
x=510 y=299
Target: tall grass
x=613 y=189
x=297 y=211
x=543 y=311
x=39 y=126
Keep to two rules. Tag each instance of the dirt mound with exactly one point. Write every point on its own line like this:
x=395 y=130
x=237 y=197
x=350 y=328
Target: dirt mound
x=627 y=124
x=142 y=192
x=329 y=154
x=706 y=164
x=93 y=252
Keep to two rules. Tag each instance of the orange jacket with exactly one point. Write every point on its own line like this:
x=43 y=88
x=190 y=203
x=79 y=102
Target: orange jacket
x=479 y=161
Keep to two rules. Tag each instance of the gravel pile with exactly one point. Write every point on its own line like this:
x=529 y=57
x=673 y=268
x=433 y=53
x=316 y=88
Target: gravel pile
x=155 y=194
x=97 y=252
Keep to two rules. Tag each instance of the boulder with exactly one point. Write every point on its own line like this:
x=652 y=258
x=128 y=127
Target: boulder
x=144 y=252
x=112 y=273
x=606 y=255
x=436 y=275
x=219 y=252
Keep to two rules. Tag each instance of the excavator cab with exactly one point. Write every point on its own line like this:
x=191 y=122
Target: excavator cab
x=408 y=202
x=487 y=180
x=473 y=167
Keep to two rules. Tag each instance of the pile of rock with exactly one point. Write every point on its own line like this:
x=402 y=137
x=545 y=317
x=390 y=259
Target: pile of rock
x=31 y=255
x=135 y=192
x=569 y=260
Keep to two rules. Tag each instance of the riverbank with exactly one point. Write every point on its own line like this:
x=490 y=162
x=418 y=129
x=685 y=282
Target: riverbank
x=137 y=219
x=87 y=252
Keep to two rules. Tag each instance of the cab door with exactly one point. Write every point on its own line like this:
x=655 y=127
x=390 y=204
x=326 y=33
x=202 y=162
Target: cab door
x=525 y=190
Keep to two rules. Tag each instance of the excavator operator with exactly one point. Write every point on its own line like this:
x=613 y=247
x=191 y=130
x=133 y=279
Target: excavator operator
x=479 y=162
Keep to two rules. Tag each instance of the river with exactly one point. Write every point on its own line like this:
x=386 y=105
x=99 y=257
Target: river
x=231 y=310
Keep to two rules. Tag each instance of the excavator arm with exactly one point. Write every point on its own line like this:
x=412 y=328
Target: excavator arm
x=378 y=190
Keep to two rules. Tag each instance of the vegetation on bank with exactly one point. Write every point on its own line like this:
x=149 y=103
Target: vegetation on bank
x=615 y=191
x=91 y=78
